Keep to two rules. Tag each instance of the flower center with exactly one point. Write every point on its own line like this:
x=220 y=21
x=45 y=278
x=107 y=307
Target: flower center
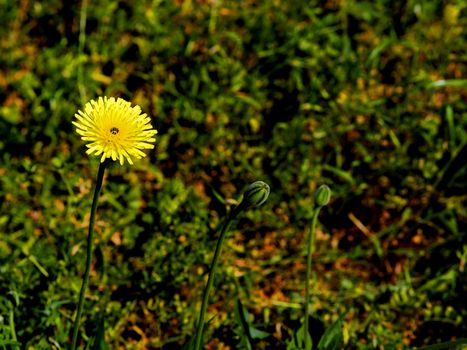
x=114 y=131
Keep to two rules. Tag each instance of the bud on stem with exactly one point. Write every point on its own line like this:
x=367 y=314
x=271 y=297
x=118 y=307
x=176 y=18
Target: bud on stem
x=255 y=194
x=322 y=196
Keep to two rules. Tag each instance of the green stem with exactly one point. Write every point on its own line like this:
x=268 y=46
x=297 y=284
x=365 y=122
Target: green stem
x=310 y=250
x=212 y=271
x=81 y=42
x=100 y=177
x=12 y=329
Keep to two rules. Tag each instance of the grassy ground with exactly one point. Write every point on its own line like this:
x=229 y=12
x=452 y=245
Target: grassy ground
x=367 y=97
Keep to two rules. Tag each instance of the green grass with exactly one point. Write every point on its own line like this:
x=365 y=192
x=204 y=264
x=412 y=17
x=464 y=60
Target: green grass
x=367 y=97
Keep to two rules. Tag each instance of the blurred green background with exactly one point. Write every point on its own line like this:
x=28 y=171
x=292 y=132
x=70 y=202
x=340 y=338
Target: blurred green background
x=368 y=97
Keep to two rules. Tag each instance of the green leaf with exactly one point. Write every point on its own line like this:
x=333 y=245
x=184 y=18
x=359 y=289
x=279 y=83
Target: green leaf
x=440 y=283
x=344 y=175
x=246 y=331
x=99 y=339
x=218 y=196
x=446 y=345
x=460 y=83
x=190 y=345
x=332 y=338
x=298 y=341
x=9 y=342
x=378 y=50
x=258 y=333
x=241 y=316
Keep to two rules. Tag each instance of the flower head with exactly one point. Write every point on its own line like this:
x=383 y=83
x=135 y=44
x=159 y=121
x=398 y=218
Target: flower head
x=256 y=194
x=322 y=195
x=115 y=129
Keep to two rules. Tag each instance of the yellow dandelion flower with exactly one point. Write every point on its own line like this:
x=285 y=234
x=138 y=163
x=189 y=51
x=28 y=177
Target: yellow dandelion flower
x=115 y=129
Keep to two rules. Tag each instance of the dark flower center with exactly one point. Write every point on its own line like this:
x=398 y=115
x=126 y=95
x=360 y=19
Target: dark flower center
x=114 y=131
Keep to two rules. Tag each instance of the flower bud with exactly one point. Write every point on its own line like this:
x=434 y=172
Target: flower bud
x=256 y=194
x=322 y=195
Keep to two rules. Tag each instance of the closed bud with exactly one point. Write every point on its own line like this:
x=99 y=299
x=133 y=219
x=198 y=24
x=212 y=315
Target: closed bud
x=322 y=195
x=256 y=194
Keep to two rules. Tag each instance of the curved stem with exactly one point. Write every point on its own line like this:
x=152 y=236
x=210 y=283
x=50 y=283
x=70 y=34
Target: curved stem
x=12 y=329
x=212 y=271
x=310 y=250
x=81 y=42
x=100 y=177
